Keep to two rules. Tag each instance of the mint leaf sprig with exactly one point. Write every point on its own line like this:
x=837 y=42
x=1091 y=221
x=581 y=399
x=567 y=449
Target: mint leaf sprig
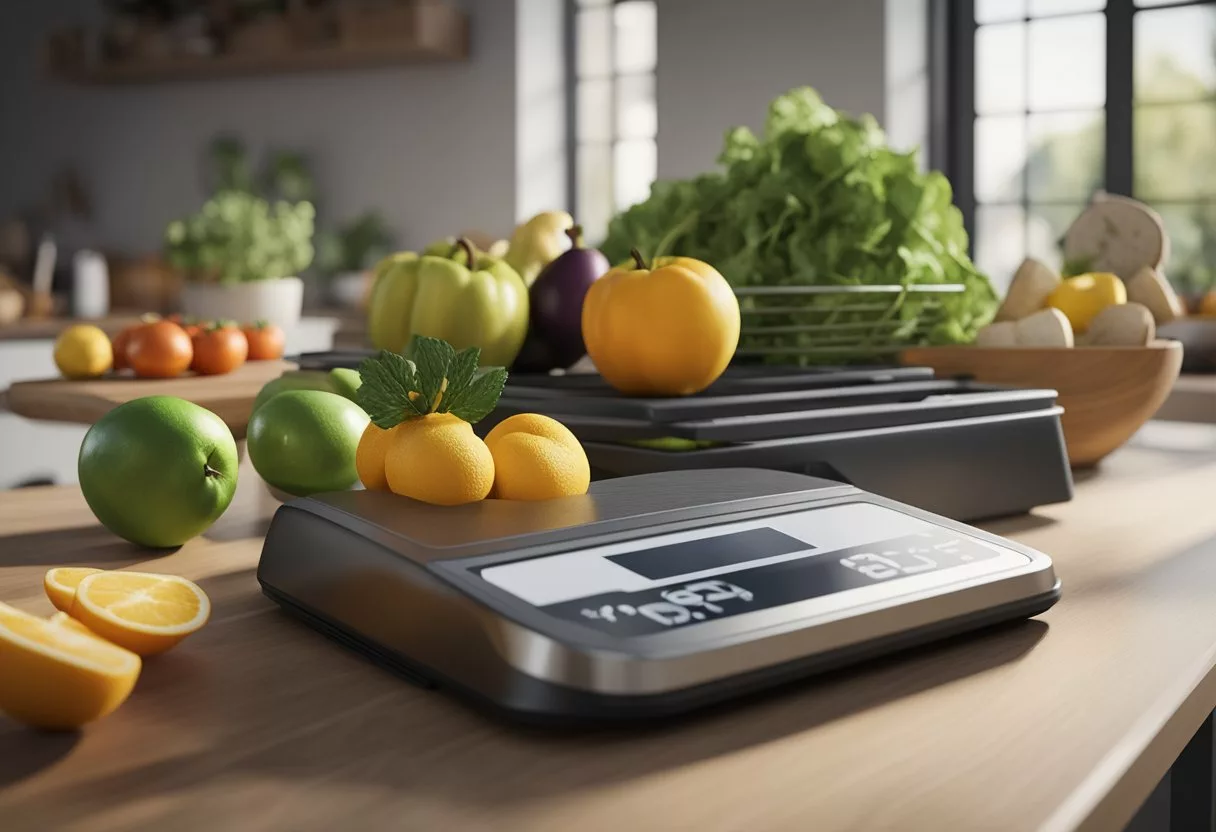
x=431 y=377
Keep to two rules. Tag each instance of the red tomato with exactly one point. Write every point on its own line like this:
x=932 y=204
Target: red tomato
x=119 y=342
x=159 y=350
x=219 y=349
x=195 y=327
x=265 y=341
x=119 y=345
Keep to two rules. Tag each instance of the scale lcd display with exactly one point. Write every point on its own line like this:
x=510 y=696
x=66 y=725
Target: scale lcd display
x=677 y=604
x=690 y=556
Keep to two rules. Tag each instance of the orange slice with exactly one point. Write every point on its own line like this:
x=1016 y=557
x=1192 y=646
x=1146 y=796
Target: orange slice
x=145 y=613
x=60 y=584
x=59 y=676
x=62 y=619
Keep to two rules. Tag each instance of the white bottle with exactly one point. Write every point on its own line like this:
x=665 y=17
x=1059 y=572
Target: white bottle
x=90 y=285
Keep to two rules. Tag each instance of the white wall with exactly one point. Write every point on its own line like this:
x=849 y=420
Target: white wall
x=722 y=61
x=430 y=146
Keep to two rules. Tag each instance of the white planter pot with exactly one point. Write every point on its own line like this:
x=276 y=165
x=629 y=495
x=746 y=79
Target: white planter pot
x=278 y=301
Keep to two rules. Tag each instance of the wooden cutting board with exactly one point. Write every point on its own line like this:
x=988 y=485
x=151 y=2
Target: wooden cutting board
x=229 y=396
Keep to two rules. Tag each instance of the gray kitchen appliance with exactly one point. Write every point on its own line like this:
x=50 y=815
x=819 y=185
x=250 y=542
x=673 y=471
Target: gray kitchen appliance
x=651 y=595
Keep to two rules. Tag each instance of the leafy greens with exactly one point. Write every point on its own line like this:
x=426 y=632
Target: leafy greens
x=819 y=200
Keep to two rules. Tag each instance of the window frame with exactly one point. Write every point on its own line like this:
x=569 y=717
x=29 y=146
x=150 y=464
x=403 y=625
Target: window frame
x=952 y=85
x=573 y=142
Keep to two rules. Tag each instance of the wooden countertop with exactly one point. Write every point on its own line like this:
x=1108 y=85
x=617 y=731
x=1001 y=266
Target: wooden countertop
x=229 y=396
x=259 y=723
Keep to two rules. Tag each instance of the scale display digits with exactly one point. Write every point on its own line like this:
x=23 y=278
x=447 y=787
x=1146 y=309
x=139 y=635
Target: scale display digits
x=686 y=603
x=893 y=563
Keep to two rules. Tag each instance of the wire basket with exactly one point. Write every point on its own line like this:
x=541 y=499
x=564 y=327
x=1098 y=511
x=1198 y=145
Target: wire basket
x=807 y=325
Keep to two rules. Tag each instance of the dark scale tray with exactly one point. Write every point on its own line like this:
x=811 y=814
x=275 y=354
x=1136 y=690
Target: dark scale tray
x=957 y=448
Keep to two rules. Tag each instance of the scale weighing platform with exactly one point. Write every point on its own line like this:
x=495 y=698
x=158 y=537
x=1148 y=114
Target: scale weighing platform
x=951 y=446
x=649 y=596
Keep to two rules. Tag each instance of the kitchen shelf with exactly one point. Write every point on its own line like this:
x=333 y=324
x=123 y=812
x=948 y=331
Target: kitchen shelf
x=444 y=40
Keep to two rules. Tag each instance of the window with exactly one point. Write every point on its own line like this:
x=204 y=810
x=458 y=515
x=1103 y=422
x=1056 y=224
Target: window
x=615 y=117
x=1055 y=99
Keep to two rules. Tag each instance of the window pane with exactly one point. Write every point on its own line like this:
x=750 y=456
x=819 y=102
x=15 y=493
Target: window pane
x=1000 y=68
x=637 y=116
x=1175 y=151
x=1045 y=227
x=594 y=33
x=1192 y=231
x=1067 y=156
x=636 y=39
x=1000 y=235
x=1047 y=7
x=595 y=206
x=1000 y=156
x=1068 y=62
x=637 y=164
x=595 y=111
x=995 y=11
x=1176 y=54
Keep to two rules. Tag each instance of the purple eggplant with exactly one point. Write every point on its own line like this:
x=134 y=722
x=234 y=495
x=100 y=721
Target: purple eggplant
x=555 y=329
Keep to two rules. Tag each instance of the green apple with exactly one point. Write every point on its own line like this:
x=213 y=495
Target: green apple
x=158 y=470
x=340 y=380
x=345 y=381
x=304 y=441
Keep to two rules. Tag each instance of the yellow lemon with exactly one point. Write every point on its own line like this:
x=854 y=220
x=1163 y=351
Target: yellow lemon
x=1081 y=298
x=438 y=459
x=83 y=351
x=369 y=457
x=537 y=458
x=59 y=676
x=60 y=584
x=145 y=613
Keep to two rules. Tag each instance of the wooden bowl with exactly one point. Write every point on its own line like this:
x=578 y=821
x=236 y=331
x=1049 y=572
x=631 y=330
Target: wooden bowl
x=1107 y=392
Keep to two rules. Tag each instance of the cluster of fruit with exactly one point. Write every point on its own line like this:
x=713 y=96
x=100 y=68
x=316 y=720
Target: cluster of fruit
x=80 y=664
x=312 y=432
x=166 y=348
x=666 y=327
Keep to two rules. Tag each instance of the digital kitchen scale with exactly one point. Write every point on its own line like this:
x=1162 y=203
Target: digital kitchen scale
x=648 y=596
x=954 y=447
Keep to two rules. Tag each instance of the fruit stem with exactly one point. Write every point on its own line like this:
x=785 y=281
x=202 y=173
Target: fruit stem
x=467 y=245
x=638 y=259
x=208 y=471
x=575 y=233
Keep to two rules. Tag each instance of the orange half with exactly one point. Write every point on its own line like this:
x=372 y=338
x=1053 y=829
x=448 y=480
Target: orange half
x=145 y=613
x=60 y=584
x=59 y=676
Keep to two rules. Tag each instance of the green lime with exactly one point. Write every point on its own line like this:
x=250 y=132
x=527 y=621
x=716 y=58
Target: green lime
x=158 y=470
x=304 y=441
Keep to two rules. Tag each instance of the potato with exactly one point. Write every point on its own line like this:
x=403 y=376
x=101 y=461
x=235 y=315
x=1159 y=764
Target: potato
x=1150 y=289
x=1126 y=325
x=1028 y=291
x=1002 y=334
x=1117 y=234
x=1045 y=328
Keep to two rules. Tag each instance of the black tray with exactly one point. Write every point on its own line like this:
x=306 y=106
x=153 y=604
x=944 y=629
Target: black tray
x=955 y=447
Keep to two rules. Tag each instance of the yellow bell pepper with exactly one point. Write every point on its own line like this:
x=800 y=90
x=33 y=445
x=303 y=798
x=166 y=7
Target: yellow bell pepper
x=1081 y=298
x=666 y=331
x=466 y=298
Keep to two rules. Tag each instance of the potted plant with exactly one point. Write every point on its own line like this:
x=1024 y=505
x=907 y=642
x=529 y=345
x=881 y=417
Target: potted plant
x=241 y=254
x=347 y=254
